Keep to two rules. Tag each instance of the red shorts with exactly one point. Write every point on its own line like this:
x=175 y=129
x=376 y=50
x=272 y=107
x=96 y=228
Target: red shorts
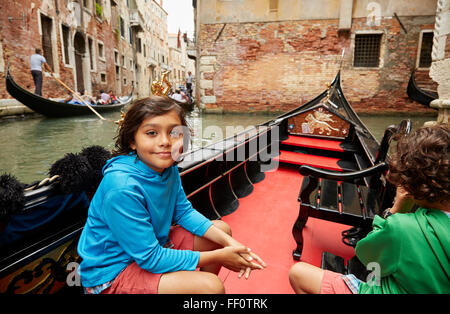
x=333 y=283
x=135 y=280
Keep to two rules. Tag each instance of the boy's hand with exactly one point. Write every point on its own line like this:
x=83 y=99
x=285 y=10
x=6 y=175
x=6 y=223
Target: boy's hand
x=403 y=201
x=235 y=259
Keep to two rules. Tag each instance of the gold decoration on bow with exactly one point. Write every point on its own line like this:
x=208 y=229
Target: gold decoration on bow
x=120 y=121
x=158 y=88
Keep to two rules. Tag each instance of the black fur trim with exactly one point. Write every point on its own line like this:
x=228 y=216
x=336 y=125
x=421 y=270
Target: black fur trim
x=75 y=173
x=97 y=157
x=12 y=198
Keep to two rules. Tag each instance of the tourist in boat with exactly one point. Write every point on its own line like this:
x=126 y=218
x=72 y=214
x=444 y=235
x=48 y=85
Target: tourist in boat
x=72 y=99
x=179 y=97
x=36 y=62
x=87 y=98
x=129 y=243
x=409 y=248
x=112 y=98
x=105 y=98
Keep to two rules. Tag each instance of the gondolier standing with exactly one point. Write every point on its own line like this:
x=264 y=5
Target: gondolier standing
x=36 y=62
x=189 y=83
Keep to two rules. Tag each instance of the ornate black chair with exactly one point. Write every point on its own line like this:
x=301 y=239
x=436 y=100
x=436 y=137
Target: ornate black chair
x=350 y=198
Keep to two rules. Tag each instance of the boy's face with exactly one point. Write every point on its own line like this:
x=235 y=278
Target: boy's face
x=158 y=140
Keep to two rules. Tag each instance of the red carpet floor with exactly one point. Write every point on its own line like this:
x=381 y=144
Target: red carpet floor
x=263 y=222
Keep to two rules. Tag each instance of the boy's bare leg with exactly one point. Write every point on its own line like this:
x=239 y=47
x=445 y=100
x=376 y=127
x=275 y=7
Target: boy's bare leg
x=306 y=278
x=204 y=281
x=184 y=282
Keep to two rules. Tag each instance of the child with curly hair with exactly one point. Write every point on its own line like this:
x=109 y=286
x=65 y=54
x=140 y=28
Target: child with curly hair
x=409 y=244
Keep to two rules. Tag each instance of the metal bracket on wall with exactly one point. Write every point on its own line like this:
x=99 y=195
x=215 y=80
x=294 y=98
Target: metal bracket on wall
x=400 y=22
x=220 y=32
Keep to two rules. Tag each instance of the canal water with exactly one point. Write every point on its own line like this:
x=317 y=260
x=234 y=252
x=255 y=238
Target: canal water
x=30 y=145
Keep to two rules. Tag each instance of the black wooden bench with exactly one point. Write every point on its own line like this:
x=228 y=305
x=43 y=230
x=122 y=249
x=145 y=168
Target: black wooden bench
x=347 y=197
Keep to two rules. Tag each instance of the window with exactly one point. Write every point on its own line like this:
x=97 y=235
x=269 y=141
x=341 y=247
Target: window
x=91 y=53
x=130 y=33
x=273 y=5
x=116 y=57
x=425 y=50
x=66 y=35
x=101 y=51
x=47 y=46
x=139 y=45
x=87 y=5
x=367 y=50
x=103 y=77
x=122 y=27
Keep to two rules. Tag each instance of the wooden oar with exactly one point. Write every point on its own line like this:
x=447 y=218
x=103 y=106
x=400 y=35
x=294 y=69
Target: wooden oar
x=77 y=96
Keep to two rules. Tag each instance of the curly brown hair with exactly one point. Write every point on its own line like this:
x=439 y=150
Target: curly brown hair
x=139 y=111
x=420 y=163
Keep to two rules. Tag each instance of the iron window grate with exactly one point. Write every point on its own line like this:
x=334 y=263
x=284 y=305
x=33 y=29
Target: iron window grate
x=367 y=50
x=425 y=50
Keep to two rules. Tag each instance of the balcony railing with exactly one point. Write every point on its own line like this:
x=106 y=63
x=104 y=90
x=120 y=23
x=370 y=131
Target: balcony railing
x=136 y=20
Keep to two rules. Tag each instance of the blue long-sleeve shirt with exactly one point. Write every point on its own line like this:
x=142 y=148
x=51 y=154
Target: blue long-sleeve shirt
x=129 y=220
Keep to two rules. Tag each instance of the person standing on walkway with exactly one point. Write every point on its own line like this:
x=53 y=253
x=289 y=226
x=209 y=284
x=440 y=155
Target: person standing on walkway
x=36 y=62
x=189 y=83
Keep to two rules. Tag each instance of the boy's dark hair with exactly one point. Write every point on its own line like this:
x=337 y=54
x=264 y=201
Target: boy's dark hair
x=37 y=50
x=142 y=109
x=421 y=163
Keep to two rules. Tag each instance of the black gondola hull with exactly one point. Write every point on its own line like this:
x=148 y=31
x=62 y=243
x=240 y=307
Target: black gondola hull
x=417 y=94
x=52 y=108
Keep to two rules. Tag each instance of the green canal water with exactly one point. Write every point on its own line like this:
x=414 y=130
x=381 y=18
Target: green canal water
x=30 y=145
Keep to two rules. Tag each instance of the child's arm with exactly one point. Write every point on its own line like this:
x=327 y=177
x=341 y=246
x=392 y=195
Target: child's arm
x=230 y=257
x=403 y=201
x=220 y=237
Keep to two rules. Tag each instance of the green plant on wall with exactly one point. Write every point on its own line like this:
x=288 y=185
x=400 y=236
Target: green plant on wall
x=117 y=31
x=98 y=9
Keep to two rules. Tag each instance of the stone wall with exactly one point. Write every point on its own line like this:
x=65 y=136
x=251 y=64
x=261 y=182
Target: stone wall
x=276 y=66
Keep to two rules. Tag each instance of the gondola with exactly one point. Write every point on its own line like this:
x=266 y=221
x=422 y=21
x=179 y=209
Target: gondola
x=187 y=106
x=250 y=180
x=51 y=108
x=424 y=97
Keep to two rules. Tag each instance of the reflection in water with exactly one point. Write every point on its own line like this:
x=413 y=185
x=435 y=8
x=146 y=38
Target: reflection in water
x=29 y=146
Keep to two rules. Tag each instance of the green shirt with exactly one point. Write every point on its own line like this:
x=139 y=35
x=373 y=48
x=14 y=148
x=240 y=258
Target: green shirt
x=412 y=253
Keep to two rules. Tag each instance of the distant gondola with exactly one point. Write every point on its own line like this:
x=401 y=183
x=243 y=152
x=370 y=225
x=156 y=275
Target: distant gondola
x=249 y=180
x=187 y=106
x=418 y=94
x=51 y=108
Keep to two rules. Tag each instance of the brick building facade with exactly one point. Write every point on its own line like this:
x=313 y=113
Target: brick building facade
x=275 y=55
x=90 y=44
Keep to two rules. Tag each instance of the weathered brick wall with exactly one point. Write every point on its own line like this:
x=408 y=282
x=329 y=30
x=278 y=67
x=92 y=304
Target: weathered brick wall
x=19 y=40
x=278 y=65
